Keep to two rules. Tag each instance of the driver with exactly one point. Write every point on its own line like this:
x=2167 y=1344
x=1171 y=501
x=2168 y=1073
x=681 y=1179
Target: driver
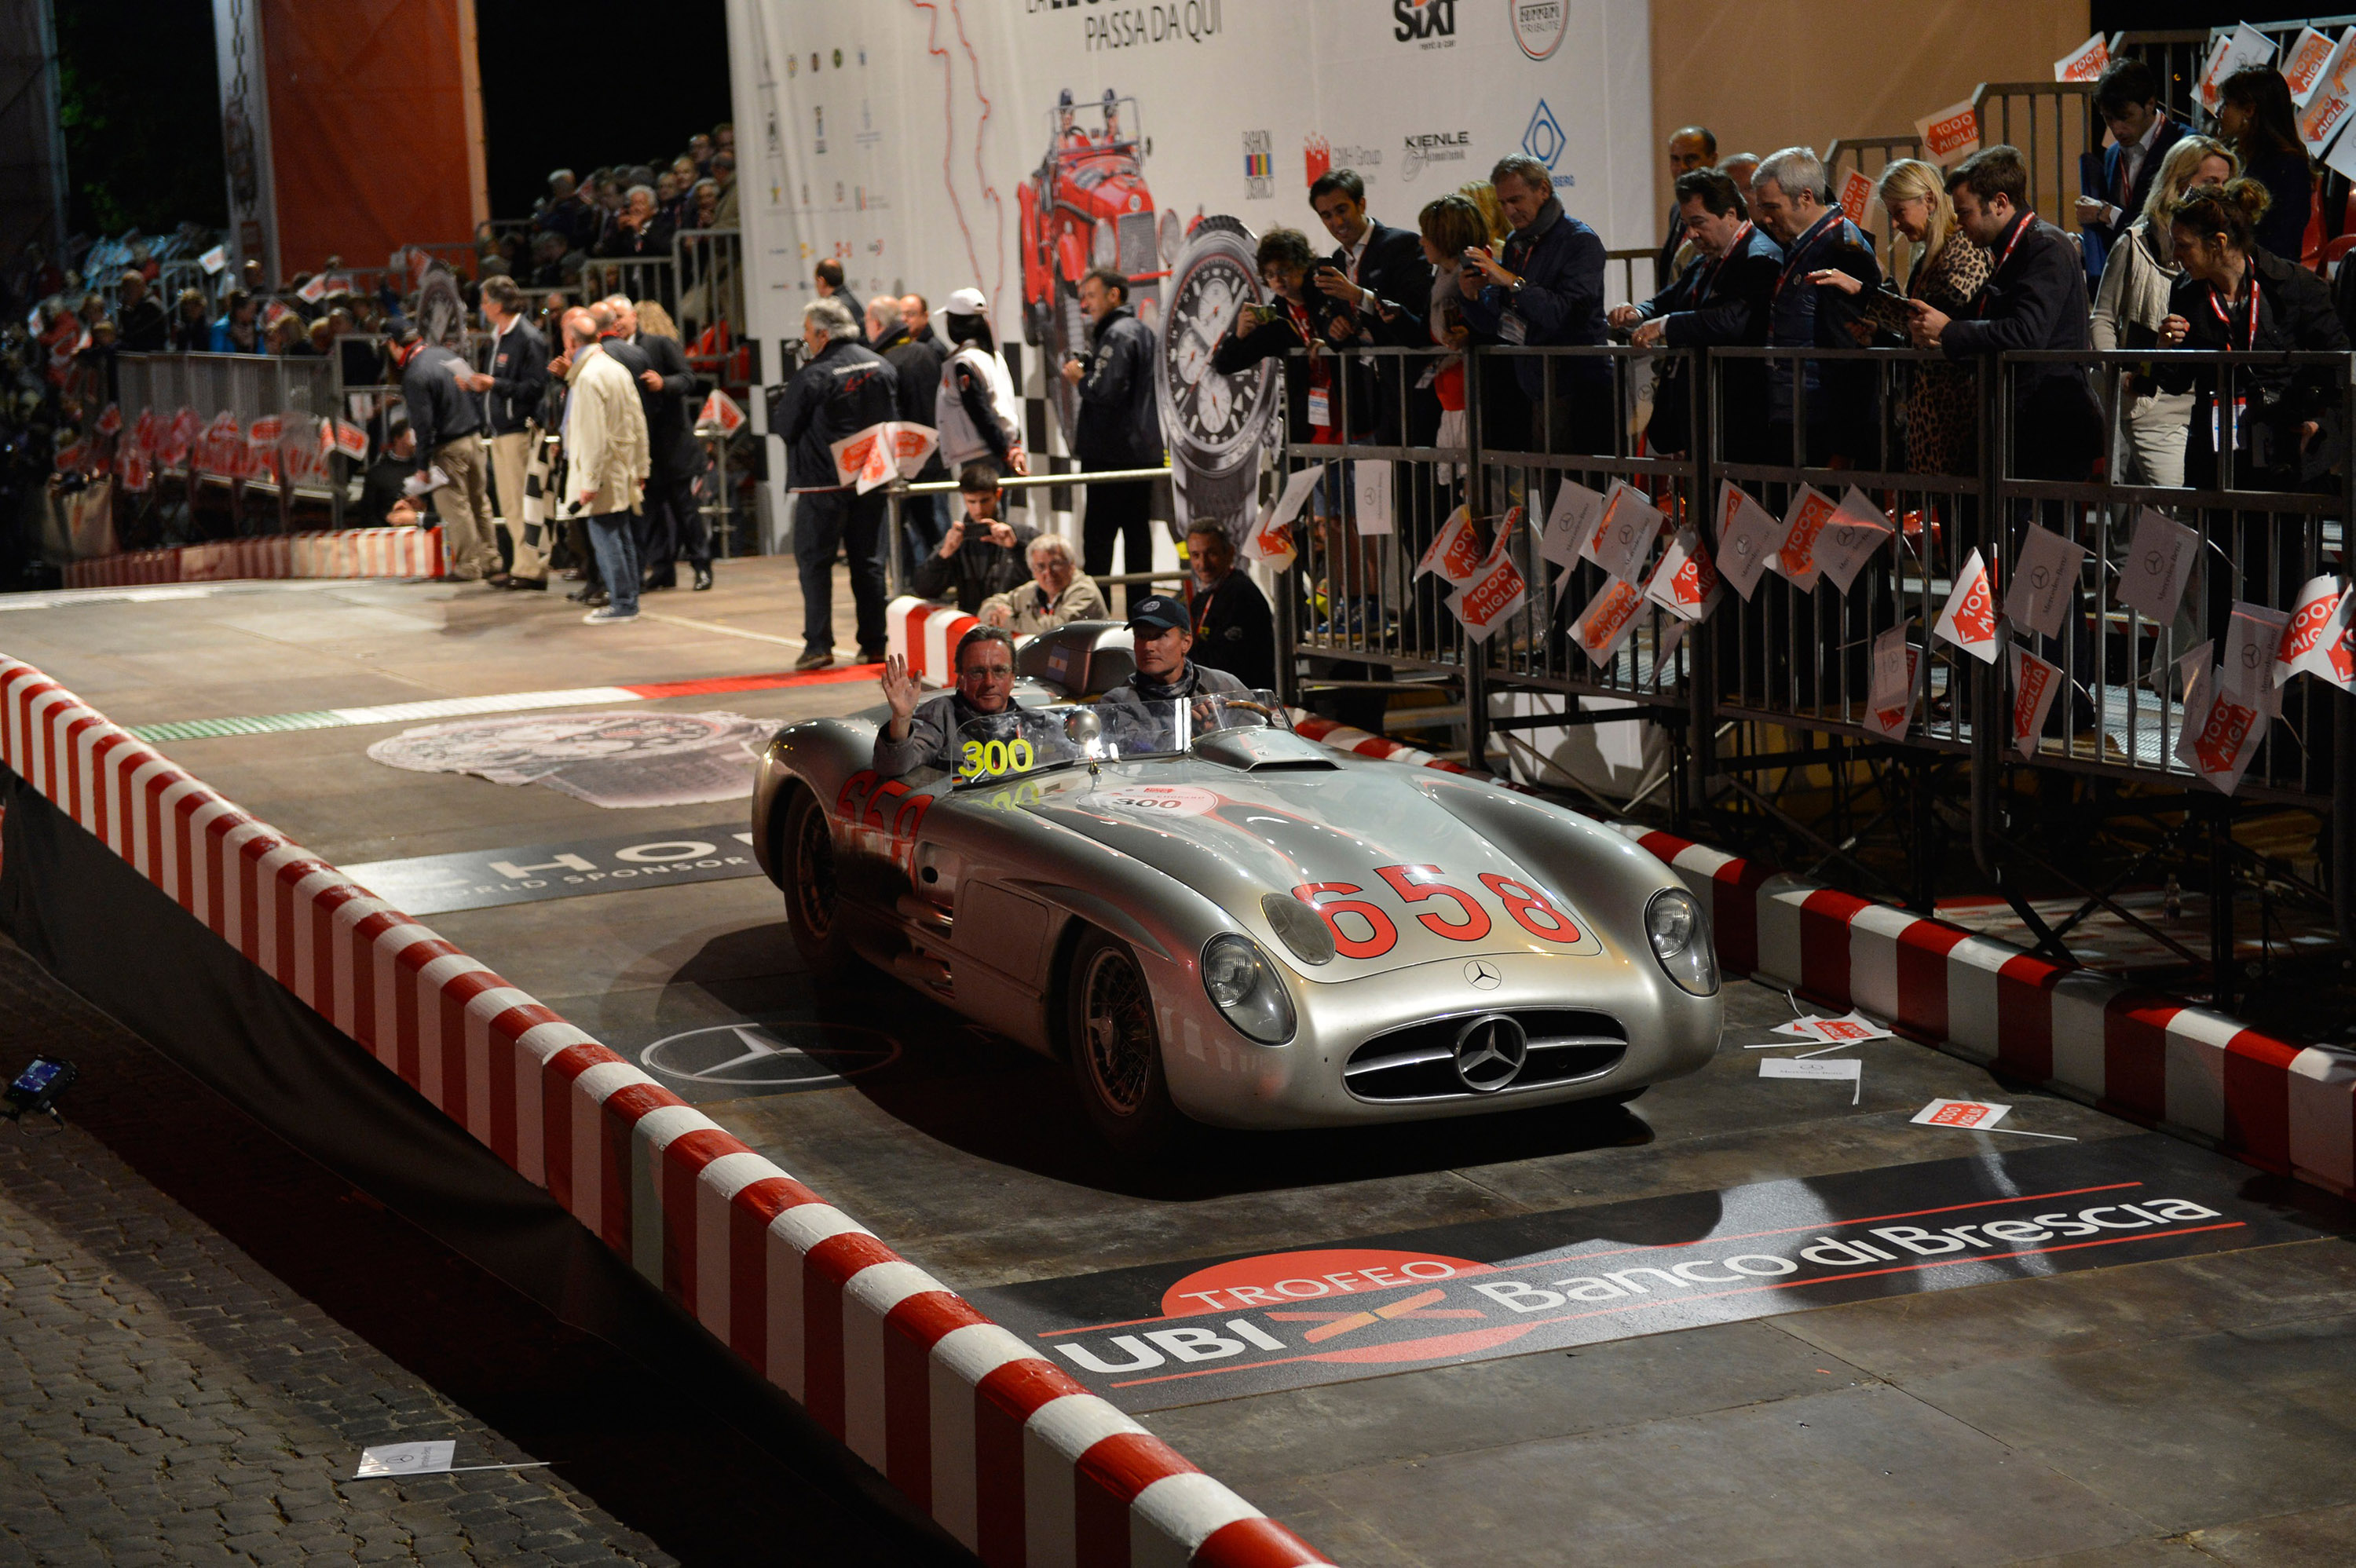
x=1162 y=633
x=923 y=733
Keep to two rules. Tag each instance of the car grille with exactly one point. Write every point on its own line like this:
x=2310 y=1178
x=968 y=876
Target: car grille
x=1418 y=1061
x=1140 y=255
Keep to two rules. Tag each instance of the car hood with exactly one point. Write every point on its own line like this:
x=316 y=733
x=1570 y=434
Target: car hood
x=1234 y=836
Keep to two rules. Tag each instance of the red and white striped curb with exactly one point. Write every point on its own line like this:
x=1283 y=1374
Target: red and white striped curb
x=1010 y=1454
x=343 y=552
x=925 y=634
x=1342 y=738
x=2284 y=1108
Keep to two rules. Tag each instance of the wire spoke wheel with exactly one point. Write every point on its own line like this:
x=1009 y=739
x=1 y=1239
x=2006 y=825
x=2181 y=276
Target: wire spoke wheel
x=1115 y=1044
x=814 y=890
x=813 y=893
x=1119 y=1038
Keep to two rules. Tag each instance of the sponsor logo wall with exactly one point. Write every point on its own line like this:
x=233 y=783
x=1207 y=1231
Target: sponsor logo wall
x=908 y=142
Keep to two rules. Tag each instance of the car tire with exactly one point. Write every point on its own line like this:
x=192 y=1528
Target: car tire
x=1116 y=1048
x=813 y=902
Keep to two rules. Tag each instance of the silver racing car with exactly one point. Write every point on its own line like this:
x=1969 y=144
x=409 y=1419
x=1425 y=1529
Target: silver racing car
x=1211 y=917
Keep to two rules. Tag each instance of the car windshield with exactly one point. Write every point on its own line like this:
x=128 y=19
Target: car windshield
x=1034 y=739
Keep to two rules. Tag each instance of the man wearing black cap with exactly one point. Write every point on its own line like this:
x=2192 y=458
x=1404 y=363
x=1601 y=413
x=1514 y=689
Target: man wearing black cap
x=1160 y=631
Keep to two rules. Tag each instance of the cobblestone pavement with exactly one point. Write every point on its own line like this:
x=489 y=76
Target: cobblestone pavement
x=200 y=1329
x=164 y=1399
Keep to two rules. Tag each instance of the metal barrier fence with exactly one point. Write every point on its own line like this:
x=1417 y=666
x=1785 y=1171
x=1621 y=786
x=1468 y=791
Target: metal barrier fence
x=1782 y=680
x=899 y=493
x=2053 y=123
x=1869 y=155
x=701 y=282
x=249 y=387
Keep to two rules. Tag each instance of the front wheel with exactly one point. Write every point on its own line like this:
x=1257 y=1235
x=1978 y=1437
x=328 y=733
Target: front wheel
x=1116 y=1048
x=813 y=899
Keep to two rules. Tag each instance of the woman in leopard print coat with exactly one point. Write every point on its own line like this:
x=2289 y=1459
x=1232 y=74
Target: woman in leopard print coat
x=1949 y=271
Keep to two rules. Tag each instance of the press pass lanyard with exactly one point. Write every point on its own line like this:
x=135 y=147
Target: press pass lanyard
x=1717 y=268
x=2027 y=220
x=2221 y=433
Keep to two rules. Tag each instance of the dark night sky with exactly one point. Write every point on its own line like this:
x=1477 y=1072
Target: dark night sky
x=132 y=95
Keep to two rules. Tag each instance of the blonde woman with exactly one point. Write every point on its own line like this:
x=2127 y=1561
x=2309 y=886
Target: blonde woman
x=655 y=320
x=2133 y=302
x=1483 y=195
x=1943 y=268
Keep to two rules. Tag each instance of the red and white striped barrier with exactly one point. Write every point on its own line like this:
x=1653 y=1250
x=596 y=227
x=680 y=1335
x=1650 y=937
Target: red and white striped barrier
x=925 y=634
x=1009 y=1454
x=2284 y=1108
x=343 y=552
x=1342 y=738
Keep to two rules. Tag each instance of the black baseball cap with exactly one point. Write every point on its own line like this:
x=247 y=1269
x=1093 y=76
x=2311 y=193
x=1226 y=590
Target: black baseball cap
x=1162 y=612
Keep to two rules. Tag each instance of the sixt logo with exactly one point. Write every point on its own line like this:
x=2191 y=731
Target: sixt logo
x=1423 y=20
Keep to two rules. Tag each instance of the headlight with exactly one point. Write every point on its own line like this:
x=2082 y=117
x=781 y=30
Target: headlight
x=1300 y=928
x=1107 y=246
x=1244 y=984
x=1680 y=938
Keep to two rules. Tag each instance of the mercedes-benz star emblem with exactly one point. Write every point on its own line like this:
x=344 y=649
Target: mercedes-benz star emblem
x=1483 y=976
x=1490 y=1051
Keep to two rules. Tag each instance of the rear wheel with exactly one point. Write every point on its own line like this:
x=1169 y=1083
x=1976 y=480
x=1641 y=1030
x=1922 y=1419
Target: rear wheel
x=813 y=900
x=1116 y=1048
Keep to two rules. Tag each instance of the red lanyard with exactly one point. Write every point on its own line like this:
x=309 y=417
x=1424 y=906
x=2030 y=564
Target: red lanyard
x=2251 y=340
x=2027 y=219
x=1800 y=249
x=1733 y=248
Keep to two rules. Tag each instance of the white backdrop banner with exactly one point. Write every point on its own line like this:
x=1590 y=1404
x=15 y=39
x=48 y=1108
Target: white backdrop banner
x=927 y=144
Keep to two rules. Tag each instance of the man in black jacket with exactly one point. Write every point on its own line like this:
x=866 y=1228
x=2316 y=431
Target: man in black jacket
x=1119 y=424
x=1374 y=264
x=1721 y=299
x=512 y=390
x=1546 y=288
x=983 y=553
x=922 y=519
x=2036 y=298
x=1694 y=147
x=1843 y=423
x=1234 y=629
x=842 y=388
x=670 y=525
x=2127 y=98
x=448 y=424
x=140 y=324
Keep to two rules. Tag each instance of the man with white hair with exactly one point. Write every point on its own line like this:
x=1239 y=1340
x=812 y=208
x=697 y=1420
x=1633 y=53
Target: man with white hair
x=605 y=457
x=1058 y=591
x=842 y=388
x=639 y=229
x=1805 y=311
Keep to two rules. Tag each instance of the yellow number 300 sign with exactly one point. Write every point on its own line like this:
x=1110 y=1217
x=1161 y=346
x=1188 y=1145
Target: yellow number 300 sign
x=983 y=760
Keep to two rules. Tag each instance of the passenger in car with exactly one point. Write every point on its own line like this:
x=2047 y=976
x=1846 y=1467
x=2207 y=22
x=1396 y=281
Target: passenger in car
x=1162 y=633
x=923 y=730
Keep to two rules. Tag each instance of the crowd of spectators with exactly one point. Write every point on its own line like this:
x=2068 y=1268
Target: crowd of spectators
x=623 y=212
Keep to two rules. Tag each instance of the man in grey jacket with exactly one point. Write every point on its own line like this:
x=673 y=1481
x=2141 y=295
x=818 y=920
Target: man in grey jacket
x=923 y=731
x=1119 y=424
x=449 y=426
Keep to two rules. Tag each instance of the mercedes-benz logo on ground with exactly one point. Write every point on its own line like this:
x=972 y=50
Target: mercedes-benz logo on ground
x=1490 y=1051
x=1483 y=976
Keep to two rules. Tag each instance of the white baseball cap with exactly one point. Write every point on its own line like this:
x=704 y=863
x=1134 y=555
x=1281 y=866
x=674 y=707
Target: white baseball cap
x=968 y=301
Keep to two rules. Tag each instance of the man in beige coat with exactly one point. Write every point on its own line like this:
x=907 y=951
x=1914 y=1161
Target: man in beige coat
x=606 y=458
